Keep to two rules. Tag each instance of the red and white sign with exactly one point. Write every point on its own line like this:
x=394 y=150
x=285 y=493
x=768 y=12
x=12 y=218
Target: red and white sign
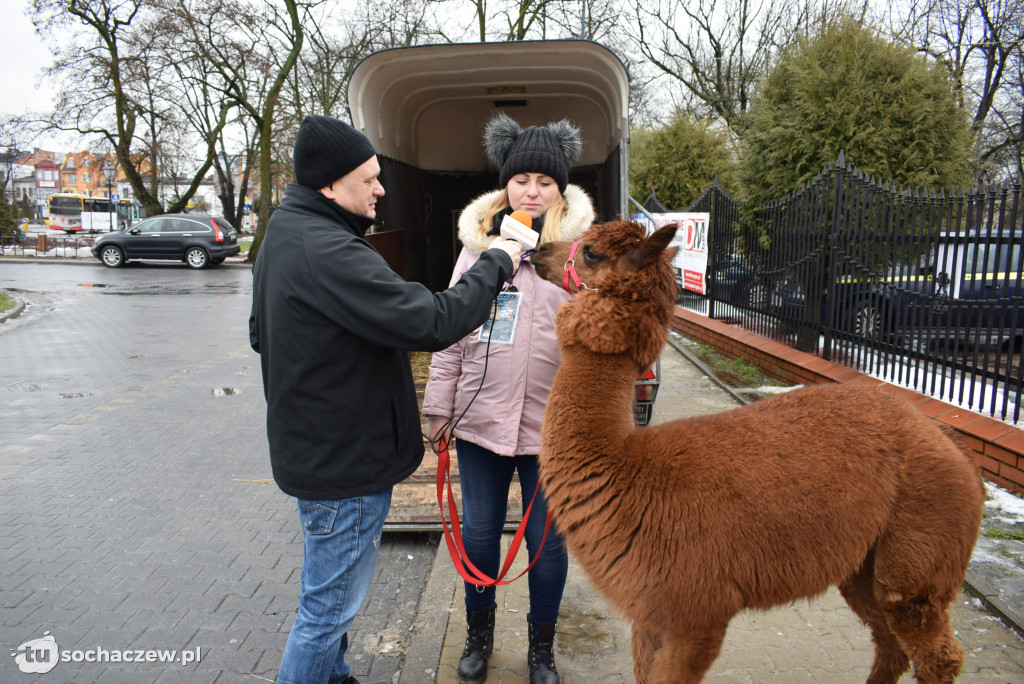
x=691 y=238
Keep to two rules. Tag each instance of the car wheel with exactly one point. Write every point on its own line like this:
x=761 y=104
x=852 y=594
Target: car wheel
x=196 y=257
x=868 y=320
x=112 y=256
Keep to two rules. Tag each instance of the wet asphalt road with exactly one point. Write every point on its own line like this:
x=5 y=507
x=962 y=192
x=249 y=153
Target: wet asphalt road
x=134 y=509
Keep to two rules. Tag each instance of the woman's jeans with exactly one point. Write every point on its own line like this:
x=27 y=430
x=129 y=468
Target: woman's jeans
x=485 y=478
x=342 y=540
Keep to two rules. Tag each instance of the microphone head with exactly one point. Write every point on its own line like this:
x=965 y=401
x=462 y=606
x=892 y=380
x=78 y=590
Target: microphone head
x=516 y=226
x=522 y=217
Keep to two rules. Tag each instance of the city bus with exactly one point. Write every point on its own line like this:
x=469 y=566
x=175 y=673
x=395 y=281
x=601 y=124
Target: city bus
x=73 y=213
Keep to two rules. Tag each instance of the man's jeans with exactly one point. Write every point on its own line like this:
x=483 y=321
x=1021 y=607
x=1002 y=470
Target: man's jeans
x=485 y=478
x=342 y=539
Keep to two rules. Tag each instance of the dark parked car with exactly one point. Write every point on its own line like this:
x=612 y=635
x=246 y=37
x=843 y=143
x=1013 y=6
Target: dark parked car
x=196 y=239
x=967 y=288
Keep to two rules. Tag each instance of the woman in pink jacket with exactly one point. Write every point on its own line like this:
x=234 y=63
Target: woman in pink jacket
x=497 y=431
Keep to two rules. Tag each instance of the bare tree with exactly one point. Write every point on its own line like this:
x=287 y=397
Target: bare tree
x=979 y=44
x=317 y=84
x=15 y=137
x=107 y=89
x=599 y=20
x=510 y=20
x=717 y=50
x=250 y=52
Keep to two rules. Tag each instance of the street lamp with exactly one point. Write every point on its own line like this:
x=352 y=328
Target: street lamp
x=108 y=172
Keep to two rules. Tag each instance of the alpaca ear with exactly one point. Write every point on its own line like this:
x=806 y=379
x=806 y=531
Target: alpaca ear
x=653 y=246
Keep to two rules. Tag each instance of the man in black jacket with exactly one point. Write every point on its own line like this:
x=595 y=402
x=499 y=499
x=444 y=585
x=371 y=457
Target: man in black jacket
x=333 y=325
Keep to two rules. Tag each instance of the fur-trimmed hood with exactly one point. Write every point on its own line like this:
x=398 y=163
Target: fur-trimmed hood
x=473 y=234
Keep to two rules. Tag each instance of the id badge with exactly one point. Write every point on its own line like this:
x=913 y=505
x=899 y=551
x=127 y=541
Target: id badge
x=504 y=319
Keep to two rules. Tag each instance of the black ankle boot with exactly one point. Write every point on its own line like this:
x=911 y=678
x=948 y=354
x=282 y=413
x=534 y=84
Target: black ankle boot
x=479 y=644
x=542 y=652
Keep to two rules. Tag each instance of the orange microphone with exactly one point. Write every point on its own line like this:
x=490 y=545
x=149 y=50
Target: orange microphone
x=516 y=226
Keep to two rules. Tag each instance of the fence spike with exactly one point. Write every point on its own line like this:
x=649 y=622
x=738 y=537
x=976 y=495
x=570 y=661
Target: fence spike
x=841 y=162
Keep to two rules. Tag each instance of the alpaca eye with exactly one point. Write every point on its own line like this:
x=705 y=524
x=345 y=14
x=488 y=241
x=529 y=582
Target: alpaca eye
x=589 y=257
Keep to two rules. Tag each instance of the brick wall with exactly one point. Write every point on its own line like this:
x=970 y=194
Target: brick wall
x=998 y=447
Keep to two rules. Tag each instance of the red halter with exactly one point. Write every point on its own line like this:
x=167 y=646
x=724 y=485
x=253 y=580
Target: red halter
x=570 y=272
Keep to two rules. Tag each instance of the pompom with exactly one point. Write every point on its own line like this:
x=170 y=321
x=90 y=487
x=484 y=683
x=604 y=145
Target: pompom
x=568 y=137
x=500 y=134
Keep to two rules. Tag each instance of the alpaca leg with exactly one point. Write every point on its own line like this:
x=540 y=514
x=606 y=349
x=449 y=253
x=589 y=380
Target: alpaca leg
x=923 y=627
x=645 y=644
x=917 y=576
x=684 y=659
x=890 y=659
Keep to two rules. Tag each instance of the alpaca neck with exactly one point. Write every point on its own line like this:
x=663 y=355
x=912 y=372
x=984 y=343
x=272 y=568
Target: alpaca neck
x=591 y=399
x=583 y=462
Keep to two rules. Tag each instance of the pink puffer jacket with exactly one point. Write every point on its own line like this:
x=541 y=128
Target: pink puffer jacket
x=506 y=415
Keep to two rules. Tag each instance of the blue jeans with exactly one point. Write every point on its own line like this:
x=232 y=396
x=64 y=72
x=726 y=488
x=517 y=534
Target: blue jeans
x=342 y=540
x=485 y=478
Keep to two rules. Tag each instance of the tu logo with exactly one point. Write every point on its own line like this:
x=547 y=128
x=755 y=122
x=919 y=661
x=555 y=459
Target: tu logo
x=37 y=655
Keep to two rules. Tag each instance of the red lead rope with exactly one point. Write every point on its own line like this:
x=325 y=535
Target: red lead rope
x=453 y=536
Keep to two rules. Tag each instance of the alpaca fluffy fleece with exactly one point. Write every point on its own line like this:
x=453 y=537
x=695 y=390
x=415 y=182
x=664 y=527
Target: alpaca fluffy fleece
x=684 y=524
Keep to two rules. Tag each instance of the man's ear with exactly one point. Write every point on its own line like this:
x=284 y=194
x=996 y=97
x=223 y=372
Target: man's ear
x=328 y=192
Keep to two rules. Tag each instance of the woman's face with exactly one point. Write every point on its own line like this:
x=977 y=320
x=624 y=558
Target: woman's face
x=533 y=193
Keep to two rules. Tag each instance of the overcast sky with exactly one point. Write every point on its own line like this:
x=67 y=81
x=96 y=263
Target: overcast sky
x=23 y=55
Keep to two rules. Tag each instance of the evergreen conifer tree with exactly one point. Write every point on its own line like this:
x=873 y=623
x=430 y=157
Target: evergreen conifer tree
x=846 y=88
x=679 y=160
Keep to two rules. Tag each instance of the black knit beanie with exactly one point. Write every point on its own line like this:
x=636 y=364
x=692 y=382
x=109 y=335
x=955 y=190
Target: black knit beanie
x=551 y=150
x=327 y=149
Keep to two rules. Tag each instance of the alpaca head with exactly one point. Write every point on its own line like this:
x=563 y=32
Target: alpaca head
x=627 y=291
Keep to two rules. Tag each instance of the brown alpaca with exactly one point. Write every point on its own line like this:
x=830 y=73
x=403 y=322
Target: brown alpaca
x=684 y=524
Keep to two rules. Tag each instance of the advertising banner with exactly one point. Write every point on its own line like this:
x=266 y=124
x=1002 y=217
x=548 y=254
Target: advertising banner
x=691 y=260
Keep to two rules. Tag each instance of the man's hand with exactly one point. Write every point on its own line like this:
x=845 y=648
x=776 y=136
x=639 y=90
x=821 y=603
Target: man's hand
x=513 y=248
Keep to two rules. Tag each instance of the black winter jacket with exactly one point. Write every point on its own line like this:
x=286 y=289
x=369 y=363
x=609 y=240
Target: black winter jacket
x=333 y=325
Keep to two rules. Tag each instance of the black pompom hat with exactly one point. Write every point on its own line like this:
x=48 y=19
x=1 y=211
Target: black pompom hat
x=551 y=150
x=327 y=149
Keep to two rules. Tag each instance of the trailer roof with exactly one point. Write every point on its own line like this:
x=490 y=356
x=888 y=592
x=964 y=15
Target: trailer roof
x=427 y=105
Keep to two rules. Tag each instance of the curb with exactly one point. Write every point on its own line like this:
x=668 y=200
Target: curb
x=19 y=306
x=426 y=641
x=978 y=587
x=91 y=260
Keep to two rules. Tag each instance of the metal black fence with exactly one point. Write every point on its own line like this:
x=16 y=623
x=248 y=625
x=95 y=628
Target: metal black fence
x=919 y=288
